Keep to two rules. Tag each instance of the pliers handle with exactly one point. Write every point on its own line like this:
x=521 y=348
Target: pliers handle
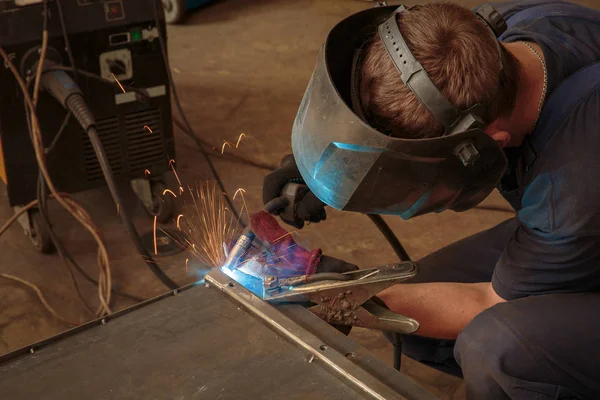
x=347 y=301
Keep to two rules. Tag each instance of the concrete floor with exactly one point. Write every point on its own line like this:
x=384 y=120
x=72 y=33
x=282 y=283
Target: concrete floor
x=239 y=67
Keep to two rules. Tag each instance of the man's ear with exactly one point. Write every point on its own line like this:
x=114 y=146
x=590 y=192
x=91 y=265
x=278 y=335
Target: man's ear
x=499 y=135
x=502 y=138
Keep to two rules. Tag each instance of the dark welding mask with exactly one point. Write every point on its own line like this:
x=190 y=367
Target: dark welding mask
x=351 y=166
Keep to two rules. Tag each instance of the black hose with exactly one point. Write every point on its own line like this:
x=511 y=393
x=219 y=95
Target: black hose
x=125 y=217
x=77 y=105
x=389 y=235
x=398 y=356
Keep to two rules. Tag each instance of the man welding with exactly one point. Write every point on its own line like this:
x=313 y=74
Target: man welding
x=429 y=108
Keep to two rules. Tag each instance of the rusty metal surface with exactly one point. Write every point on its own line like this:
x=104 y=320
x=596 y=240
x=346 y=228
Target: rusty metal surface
x=196 y=345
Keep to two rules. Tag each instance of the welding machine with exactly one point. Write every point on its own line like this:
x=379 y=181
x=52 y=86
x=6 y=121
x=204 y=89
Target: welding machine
x=175 y=10
x=110 y=40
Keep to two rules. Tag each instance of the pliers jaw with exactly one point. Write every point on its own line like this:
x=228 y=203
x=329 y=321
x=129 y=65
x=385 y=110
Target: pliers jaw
x=348 y=301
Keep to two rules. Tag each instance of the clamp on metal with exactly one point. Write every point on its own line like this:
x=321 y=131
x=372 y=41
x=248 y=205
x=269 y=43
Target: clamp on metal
x=346 y=299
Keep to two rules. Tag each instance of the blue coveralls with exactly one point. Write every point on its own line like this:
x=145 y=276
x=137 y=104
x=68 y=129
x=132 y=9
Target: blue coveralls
x=544 y=342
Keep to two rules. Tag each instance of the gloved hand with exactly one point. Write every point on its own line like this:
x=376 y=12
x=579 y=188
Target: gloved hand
x=296 y=260
x=307 y=208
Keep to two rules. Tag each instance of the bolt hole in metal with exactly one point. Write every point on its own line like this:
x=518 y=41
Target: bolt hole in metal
x=231 y=284
x=323 y=347
x=350 y=355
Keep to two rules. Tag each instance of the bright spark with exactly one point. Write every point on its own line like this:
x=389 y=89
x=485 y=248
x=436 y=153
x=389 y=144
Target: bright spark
x=172 y=164
x=240 y=139
x=118 y=83
x=155 y=246
x=225 y=143
x=146 y=127
x=282 y=236
x=146 y=172
x=240 y=190
x=207 y=225
x=169 y=191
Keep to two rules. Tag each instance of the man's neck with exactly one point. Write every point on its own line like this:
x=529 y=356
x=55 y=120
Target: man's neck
x=531 y=75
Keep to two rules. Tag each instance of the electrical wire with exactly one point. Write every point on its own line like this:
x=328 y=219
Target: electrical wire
x=199 y=141
x=48 y=227
x=43 y=212
x=62 y=251
x=107 y=172
x=106 y=168
x=78 y=212
x=41 y=182
x=63 y=26
x=163 y=48
x=41 y=297
x=38 y=74
x=60 y=132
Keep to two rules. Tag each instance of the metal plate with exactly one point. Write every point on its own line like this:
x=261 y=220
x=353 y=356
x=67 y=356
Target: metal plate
x=353 y=365
x=196 y=345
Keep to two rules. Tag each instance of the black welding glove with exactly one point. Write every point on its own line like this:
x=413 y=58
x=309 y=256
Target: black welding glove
x=308 y=207
x=331 y=264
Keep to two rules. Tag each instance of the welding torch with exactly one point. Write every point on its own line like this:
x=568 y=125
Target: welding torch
x=284 y=203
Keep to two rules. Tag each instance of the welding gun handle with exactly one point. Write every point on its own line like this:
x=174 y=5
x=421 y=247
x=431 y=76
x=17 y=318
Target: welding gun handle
x=285 y=205
x=276 y=205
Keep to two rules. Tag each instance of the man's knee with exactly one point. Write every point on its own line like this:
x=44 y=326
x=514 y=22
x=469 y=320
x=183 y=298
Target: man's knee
x=500 y=359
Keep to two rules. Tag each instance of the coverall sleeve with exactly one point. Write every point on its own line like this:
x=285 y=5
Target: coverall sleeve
x=534 y=263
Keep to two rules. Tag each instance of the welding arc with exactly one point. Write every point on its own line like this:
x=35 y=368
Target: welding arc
x=165 y=57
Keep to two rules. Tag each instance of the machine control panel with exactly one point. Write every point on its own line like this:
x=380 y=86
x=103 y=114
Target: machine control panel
x=114 y=10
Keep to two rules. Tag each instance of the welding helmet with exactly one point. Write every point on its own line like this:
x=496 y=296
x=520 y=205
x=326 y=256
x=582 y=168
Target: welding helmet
x=349 y=165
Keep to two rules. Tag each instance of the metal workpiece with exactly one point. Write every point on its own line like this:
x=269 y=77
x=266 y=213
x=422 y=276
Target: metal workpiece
x=346 y=302
x=198 y=344
x=316 y=350
x=360 y=356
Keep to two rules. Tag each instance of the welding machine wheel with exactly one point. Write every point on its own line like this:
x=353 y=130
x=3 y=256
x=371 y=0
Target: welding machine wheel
x=163 y=205
x=174 y=10
x=38 y=234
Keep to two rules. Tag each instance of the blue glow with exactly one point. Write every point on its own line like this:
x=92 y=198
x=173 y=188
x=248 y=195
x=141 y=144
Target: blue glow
x=255 y=285
x=358 y=148
x=198 y=272
x=409 y=213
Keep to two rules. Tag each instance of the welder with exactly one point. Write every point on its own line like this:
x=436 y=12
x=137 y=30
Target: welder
x=413 y=110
